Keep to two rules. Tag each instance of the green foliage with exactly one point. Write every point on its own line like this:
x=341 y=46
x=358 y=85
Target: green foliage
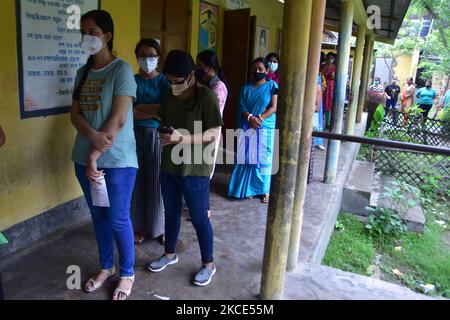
x=386 y=222
x=352 y=249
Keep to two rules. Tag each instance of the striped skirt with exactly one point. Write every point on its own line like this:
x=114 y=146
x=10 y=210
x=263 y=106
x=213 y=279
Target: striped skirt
x=147 y=210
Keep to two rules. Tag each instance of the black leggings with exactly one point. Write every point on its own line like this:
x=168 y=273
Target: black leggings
x=426 y=108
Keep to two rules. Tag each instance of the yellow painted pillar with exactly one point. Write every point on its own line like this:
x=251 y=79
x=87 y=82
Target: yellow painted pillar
x=356 y=81
x=294 y=52
x=345 y=35
x=315 y=45
x=364 y=78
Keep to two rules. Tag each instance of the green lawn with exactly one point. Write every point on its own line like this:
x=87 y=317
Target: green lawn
x=350 y=249
x=424 y=259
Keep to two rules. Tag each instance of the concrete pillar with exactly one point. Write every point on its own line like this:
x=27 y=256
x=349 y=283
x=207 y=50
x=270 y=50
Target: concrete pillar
x=294 y=52
x=315 y=45
x=372 y=56
x=364 y=78
x=345 y=35
x=356 y=80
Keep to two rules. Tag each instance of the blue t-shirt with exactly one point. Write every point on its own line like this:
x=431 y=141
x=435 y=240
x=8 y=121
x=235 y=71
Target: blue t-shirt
x=150 y=91
x=101 y=86
x=447 y=100
x=426 y=96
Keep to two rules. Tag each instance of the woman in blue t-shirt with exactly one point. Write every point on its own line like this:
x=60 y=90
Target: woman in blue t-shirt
x=105 y=148
x=147 y=212
x=425 y=98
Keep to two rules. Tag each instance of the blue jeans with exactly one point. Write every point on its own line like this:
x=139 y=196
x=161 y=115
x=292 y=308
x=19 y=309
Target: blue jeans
x=196 y=194
x=113 y=222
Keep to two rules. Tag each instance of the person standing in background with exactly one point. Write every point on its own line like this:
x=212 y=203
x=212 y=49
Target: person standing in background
x=392 y=94
x=407 y=98
x=147 y=212
x=425 y=98
x=274 y=67
x=446 y=103
x=210 y=74
x=375 y=97
x=258 y=102
x=329 y=72
x=318 y=114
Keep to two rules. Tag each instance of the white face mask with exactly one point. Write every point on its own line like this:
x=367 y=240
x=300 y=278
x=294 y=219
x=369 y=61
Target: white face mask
x=273 y=66
x=148 y=65
x=178 y=89
x=92 y=44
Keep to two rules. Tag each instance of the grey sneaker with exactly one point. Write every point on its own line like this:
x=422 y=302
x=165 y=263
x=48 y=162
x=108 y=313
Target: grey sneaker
x=204 y=276
x=161 y=263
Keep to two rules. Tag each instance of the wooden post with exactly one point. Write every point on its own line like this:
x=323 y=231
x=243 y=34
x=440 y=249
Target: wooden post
x=345 y=35
x=356 y=82
x=364 y=78
x=294 y=52
x=315 y=45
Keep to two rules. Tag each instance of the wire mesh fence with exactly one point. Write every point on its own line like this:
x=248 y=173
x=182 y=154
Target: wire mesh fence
x=413 y=167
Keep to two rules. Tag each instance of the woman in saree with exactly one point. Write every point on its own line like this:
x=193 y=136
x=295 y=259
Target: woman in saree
x=256 y=118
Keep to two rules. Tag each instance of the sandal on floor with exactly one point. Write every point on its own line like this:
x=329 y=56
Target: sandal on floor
x=92 y=284
x=265 y=198
x=140 y=237
x=121 y=293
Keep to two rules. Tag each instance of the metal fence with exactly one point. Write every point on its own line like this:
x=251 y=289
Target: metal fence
x=414 y=167
x=415 y=128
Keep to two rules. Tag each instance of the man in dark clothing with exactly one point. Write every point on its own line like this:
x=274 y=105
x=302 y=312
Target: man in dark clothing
x=392 y=94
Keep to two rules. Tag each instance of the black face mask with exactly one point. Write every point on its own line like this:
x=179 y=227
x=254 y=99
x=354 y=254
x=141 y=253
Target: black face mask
x=200 y=75
x=258 y=76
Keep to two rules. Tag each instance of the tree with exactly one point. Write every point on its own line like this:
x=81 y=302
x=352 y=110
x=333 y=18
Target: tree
x=435 y=45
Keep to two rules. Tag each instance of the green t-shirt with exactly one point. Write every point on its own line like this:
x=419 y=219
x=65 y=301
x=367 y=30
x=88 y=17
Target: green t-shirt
x=182 y=114
x=101 y=86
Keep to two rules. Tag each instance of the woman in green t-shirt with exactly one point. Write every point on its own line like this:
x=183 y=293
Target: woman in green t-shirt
x=191 y=124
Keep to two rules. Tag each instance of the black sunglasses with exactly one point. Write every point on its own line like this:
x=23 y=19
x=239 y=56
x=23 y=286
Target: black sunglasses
x=179 y=82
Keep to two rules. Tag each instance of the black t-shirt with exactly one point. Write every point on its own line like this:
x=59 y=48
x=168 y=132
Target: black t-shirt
x=393 y=91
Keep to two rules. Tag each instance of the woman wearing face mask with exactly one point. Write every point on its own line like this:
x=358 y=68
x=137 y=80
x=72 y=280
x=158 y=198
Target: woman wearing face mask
x=375 y=97
x=274 y=67
x=105 y=146
x=210 y=74
x=147 y=207
x=425 y=98
x=257 y=110
x=329 y=72
x=192 y=122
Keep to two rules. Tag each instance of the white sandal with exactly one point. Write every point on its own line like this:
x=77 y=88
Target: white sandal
x=98 y=284
x=125 y=293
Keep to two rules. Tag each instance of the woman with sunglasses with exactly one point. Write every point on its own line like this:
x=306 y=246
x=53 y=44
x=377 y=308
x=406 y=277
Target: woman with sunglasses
x=192 y=122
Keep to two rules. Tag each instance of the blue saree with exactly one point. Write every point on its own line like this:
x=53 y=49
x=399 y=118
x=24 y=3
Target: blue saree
x=253 y=167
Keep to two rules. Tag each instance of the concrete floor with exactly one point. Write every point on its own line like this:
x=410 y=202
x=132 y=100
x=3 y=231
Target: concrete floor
x=39 y=272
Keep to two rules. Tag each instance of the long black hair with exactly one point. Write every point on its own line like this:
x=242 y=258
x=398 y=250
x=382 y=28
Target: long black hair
x=152 y=43
x=211 y=60
x=104 y=21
